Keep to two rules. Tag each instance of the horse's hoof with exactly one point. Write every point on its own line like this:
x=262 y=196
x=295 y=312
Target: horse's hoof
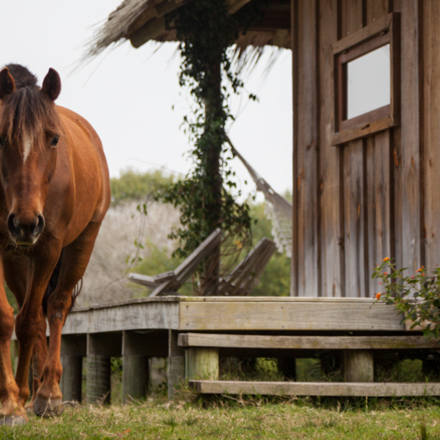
x=48 y=407
x=11 y=420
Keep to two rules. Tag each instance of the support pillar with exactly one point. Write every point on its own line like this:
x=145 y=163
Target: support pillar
x=100 y=348
x=358 y=366
x=202 y=363
x=175 y=374
x=98 y=378
x=71 y=380
x=175 y=364
x=134 y=377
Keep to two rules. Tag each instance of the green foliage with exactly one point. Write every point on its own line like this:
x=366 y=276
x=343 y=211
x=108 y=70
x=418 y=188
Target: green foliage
x=416 y=297
x=206 y=30
x=133 y=185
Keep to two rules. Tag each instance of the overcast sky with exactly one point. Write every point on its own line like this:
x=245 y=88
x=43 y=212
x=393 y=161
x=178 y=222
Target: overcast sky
x=128 y=94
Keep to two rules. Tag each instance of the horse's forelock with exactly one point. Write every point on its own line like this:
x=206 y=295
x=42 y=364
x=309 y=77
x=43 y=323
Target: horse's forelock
x=26 y=116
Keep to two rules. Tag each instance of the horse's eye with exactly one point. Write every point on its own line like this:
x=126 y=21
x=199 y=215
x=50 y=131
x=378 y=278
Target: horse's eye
x=54 y=141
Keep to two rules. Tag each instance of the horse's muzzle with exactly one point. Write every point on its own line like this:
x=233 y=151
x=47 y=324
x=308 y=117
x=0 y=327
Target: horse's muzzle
x=25 y=233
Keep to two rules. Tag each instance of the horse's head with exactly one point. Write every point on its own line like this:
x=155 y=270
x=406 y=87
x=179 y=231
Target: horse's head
x=29 y=132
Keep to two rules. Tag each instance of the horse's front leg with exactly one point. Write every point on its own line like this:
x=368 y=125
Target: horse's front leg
x=16 y=271
x=28 y=321
x=74 y=260
x=12 y=411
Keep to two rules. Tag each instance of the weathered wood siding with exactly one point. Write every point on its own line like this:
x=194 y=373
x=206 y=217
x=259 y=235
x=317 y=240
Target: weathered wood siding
x=371 y=198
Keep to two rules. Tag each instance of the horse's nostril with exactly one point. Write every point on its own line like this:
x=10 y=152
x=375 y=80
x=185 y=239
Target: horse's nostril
x=40 y=225
x=12 y=223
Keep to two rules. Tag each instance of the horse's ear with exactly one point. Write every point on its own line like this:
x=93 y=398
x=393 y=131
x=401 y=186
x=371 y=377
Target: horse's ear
x=52 y=84
x=7 y=84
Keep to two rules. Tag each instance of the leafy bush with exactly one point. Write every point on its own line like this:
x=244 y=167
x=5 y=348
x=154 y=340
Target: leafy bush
x=417 y=297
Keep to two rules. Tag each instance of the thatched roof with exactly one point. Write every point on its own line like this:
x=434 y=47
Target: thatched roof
x=141 y=21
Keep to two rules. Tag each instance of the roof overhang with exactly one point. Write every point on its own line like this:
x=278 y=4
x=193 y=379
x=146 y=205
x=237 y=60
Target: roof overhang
x=141 y=21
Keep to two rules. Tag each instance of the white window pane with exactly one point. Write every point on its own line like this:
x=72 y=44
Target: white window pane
x=368 y=82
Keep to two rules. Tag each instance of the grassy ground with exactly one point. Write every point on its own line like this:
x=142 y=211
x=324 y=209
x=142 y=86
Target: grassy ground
x=227 y=419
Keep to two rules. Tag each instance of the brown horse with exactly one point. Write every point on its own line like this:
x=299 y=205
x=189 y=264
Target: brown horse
x=54 y=193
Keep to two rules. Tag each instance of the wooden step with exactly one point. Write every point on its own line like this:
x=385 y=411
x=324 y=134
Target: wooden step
x=375 y=389
x=306 y=342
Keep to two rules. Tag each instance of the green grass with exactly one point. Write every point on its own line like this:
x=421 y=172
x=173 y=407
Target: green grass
x=226 y=419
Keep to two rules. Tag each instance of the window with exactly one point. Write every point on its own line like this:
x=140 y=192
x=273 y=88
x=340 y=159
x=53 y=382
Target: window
x=366 y=81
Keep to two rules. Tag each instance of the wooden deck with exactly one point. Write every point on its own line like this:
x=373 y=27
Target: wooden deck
x=273 y=314
x=194 y=332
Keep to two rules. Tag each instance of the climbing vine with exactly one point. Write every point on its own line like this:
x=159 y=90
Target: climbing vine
x=206 y=31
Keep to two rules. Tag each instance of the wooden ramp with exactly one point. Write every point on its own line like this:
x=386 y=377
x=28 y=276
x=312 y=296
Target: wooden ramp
x=346 y=389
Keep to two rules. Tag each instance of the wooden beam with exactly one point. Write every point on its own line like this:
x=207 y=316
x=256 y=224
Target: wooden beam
x=316 y=388
x=307 y=342
x=338 y=316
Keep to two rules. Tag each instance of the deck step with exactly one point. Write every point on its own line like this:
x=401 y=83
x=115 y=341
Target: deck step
x=374 y=389
x=306 y=342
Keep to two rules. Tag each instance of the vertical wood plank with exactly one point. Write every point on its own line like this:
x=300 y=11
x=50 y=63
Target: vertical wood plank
x=378 y=180
x=351 y=19
x=431 y=166
x=295 y=79
x=408 y=195
x=329 y=190
x=307 y=151
x=396 y=168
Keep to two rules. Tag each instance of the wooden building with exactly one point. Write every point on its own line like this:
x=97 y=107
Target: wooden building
x=365 y=186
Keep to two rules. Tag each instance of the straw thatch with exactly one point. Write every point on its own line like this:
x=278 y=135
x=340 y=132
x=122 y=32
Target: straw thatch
x=145 y=20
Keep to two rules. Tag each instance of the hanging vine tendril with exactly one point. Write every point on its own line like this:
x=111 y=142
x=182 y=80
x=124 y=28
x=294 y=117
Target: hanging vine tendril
x=206 y=30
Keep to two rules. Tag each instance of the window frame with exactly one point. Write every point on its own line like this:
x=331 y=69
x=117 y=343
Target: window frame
x=380 y=33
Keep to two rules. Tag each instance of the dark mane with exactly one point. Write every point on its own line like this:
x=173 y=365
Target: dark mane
x=27 y=112
x=22 y=76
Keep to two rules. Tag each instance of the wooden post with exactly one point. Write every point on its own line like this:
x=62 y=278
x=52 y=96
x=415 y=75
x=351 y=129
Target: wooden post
x=175 y=374
x=134 y=377
x=175 y=364
x=202 y=363
x=100 y=348
x=98 y=379
x=358 y=366
x=71 y=380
